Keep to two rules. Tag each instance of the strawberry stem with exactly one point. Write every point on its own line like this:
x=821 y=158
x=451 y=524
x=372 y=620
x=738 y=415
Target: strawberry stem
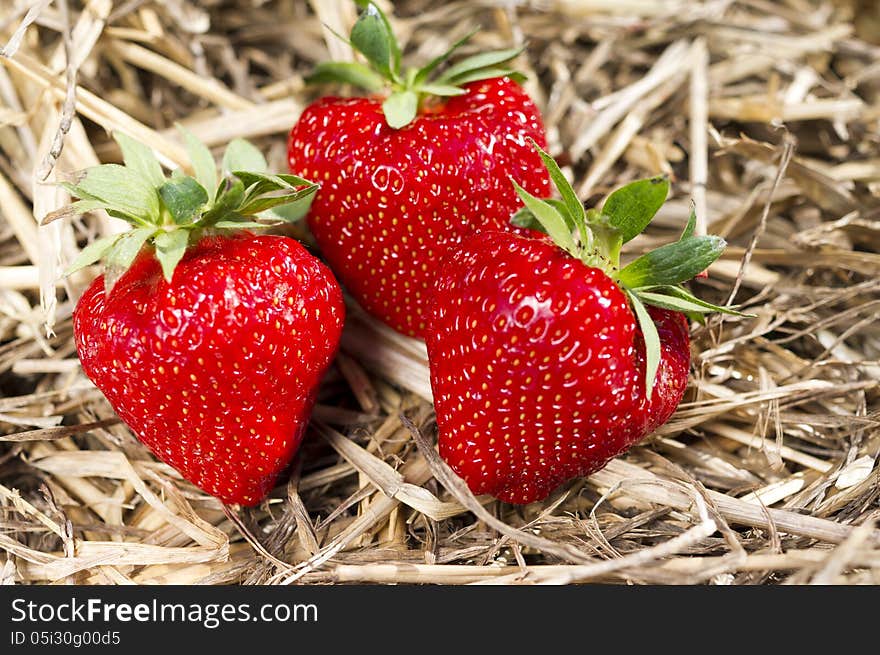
x=596 y=237
x=171 y=212
x=407 y=91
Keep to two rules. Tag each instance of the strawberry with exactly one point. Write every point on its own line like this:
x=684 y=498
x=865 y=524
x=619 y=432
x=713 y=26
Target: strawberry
x=208 y=341
x=545 y=362
x=410 y=172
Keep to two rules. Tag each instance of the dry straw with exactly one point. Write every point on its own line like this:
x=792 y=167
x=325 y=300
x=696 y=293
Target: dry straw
x=764 y=113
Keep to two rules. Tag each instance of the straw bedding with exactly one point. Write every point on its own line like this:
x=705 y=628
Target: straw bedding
x=764 y=113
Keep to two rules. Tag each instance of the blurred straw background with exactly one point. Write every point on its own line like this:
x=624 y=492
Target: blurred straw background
x=764 y=112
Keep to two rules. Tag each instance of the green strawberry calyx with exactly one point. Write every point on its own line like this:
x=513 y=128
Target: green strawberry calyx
x=407 y=90
x=596 y=236
x=171 y=212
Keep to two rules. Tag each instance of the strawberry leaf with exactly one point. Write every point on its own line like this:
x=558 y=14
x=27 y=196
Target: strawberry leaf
x=248 y=195
x=184 y=198
x=673 y=263
x=263 y=203
x=201 y=158
x=549 y=218
x=523 y=217
x=632 y=207
x=229 y=197
x=140 y=159
x=691 y=224
x=170 y=248
x=677 y=304
x=562 y=209
x=574 y=210
x=74 y=209
x=372 y=37
x=444 y=90
x=241 y=155
x=400 y=108
x=347 y=72
x=652 y=341
x=607 y=237
x=487 y=74
x=259 y=183
x=240 y=225
x=92 y=253
x=122 y=253
x=425 y=71
x=290 y=212
x=121 y=189
x=681 y=300
x=395 y=46
x=171 y=210
x=481 y=61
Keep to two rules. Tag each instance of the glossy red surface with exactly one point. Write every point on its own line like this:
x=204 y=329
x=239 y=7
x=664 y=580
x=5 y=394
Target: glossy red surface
x=537 y=367
x=393 y=201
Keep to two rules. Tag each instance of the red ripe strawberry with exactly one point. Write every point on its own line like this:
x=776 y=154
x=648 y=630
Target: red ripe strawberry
x=538 y=367
x=405 y=179
x=545 y=363
x=215 y=371
x=211 y=354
